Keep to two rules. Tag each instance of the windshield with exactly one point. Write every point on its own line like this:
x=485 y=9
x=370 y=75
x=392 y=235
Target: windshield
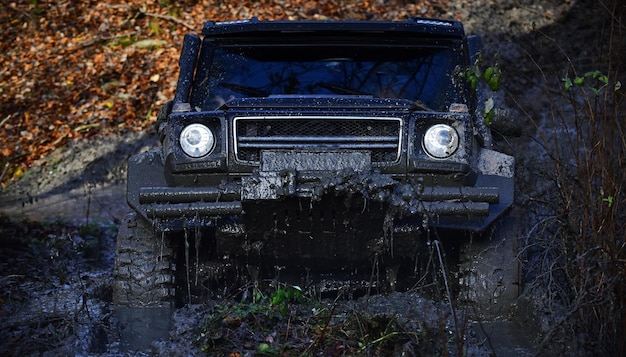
x=416 y=73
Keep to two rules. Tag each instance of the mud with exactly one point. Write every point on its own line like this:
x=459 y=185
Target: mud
x=56 y=277
x=83 y=181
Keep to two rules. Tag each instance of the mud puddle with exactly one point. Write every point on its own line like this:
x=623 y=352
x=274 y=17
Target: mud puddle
x=140 y=326
x=90 y=202
x=85 y=180
x=56 y=293
x=56 y=300
x=506 y=338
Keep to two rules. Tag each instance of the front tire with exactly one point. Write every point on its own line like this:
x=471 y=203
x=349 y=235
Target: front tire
x=144 y=273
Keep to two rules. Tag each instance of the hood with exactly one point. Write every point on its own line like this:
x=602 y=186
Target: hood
x=304 y=101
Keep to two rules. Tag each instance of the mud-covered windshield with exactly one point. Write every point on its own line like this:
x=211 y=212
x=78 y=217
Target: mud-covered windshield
x=416 y=73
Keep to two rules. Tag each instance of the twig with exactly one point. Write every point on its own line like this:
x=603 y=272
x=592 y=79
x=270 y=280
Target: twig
x=445 y=279
x=98 y=39
x=320 y=339
x=59 y=139
x=5 y=120
x=151 y=14
x=86 y=127
x=4 y=171
x=459 y=333
x=168 y=18
x=9 y=277
x=23 y=12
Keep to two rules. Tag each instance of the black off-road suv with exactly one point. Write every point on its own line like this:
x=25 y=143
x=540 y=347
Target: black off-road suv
x=322 y=150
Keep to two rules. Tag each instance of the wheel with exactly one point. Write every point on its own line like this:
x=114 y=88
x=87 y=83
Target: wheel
x=490 y=279
x=144 y=272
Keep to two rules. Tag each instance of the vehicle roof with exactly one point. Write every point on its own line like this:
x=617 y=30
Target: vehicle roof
x=410 y=27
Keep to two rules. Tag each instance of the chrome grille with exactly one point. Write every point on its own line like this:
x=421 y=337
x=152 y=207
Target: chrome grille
x=378 y=135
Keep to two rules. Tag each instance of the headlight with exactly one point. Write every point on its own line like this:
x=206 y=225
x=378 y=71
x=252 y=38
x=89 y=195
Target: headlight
x=197 y=140
x=441 y=141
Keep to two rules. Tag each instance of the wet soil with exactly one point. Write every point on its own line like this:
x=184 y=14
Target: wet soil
x=55 y=285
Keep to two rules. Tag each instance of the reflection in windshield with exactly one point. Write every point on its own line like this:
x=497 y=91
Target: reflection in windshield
x=402 y=72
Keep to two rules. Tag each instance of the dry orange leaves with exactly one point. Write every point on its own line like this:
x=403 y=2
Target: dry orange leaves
x=71 y=69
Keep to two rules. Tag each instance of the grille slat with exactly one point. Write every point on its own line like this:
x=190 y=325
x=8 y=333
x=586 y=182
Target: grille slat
x=276 y=145
x=334 y=139
x=380 y=136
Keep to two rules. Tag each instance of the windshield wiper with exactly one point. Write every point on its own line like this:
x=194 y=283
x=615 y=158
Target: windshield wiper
x=249 y=91
x=419 y=105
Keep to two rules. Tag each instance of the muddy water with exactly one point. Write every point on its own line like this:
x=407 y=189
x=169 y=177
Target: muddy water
x=140 y=329
x=141 y=326
x=102 y=203
x=506 y=338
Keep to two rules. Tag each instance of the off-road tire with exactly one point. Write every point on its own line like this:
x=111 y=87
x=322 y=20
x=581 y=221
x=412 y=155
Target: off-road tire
x=490 y=271
x=144 y=273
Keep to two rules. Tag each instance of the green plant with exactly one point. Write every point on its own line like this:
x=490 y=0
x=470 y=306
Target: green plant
x=283 y=296
x=577 y=251
x=262 y=310
x=123 y=41
x=154 y=28
x=601 y=82
x=491 y=76
x=90 y=228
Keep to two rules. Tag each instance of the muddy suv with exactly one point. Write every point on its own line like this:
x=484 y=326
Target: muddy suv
x=314 y=150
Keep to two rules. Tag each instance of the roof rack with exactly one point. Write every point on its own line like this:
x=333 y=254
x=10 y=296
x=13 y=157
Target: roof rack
x=415 y=25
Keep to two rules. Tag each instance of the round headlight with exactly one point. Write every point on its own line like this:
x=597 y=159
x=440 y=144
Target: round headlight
x=197 y=140
x=441 y=141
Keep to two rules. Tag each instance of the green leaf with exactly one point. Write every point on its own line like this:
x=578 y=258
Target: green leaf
x=593 y=74
x=608 y=200
x=149 y=114
x=473 y=83
x=488 y=111
x=488 y=73
x=579 y=81
x=265 y=349
x=488 y=118
x=492 y=77
x=567 y=83
x=472 y=76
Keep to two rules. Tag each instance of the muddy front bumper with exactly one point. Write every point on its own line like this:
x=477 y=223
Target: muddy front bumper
x=457 y=206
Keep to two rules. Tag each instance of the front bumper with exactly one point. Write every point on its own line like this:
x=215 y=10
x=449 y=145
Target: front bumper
x=458 y=207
